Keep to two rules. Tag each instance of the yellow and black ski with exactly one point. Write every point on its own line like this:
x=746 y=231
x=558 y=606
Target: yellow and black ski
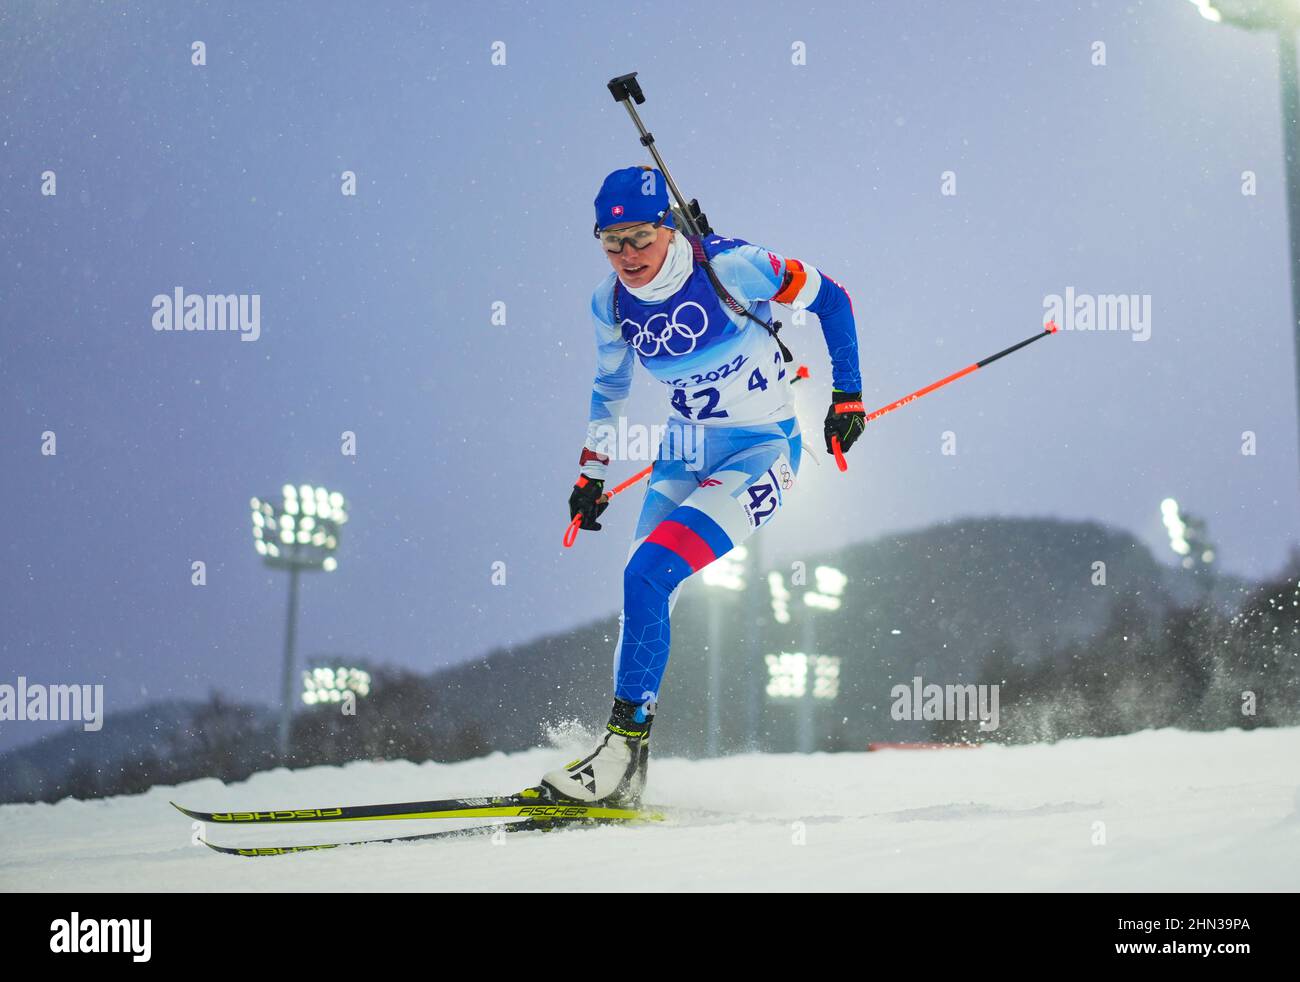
x=531 y=803
x=524 y=825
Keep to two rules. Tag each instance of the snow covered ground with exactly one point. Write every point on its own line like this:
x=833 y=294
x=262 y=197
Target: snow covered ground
x=1178 y=811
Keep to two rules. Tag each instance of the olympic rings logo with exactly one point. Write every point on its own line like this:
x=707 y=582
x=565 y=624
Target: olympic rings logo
x=676 y=337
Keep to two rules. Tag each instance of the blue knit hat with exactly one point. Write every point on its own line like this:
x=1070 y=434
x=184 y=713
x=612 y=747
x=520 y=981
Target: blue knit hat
x=633 y=194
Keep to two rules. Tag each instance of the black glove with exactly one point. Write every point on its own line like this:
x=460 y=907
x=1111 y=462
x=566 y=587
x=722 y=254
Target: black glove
x=586 y=498
x=845 y=419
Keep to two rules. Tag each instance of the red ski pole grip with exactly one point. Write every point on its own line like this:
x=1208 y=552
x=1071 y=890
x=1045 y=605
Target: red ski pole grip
x=571 y=533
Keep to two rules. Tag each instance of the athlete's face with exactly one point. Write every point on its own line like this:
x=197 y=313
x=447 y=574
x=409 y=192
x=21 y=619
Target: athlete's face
x=637 y=267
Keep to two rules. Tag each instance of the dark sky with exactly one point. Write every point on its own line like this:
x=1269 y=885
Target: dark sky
x=474 y=187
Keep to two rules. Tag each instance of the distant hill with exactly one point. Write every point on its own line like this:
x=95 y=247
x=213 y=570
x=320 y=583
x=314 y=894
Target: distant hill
x=133 y=739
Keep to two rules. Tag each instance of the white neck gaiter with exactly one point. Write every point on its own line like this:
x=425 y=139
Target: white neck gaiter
x=676 y=268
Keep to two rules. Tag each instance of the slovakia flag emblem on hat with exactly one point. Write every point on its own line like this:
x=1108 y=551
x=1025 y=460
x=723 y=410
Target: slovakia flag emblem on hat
x=616 y=210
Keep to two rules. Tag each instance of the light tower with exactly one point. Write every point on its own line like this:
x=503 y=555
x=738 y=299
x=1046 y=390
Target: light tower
x=724 y=573
x=299 y=532
x=1282 y=18
x=1189 y=539
x=805 y=677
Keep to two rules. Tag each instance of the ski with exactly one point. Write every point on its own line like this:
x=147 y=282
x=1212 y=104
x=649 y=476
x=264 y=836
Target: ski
x=529 y=803
x=525 y=825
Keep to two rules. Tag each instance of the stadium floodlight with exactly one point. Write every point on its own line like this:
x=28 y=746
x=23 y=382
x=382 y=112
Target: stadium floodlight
x=830 y=588
x=301 y=529
x=826 y=677
x=298 y=532
x=327 y=685
x=727 y=572
x=796 y=675
x=1282 y=18
x=1187 y=536
x=787 y=675
x=1175 y=526
x=780 y=597
x=1253 y=15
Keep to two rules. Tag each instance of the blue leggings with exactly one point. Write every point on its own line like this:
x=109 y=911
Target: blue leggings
x=711 y=488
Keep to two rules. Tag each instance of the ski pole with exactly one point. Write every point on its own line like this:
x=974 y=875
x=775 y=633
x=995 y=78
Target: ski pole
x=843 y=465
x=571 y=533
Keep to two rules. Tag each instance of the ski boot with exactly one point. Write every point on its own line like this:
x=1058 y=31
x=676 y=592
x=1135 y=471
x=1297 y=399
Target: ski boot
x=614 y=773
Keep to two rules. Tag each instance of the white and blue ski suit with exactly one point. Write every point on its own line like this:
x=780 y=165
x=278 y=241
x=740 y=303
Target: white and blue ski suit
x=731 y=449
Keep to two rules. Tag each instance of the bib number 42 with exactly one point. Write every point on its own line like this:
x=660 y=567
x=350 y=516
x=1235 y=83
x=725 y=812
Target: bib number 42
x=762 y=498
x=706 y=411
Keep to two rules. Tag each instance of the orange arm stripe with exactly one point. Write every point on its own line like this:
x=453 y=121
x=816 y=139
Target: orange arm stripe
x=795 y=278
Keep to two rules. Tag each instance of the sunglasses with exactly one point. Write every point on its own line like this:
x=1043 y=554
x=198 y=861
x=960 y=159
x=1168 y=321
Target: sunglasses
x=614 y=241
